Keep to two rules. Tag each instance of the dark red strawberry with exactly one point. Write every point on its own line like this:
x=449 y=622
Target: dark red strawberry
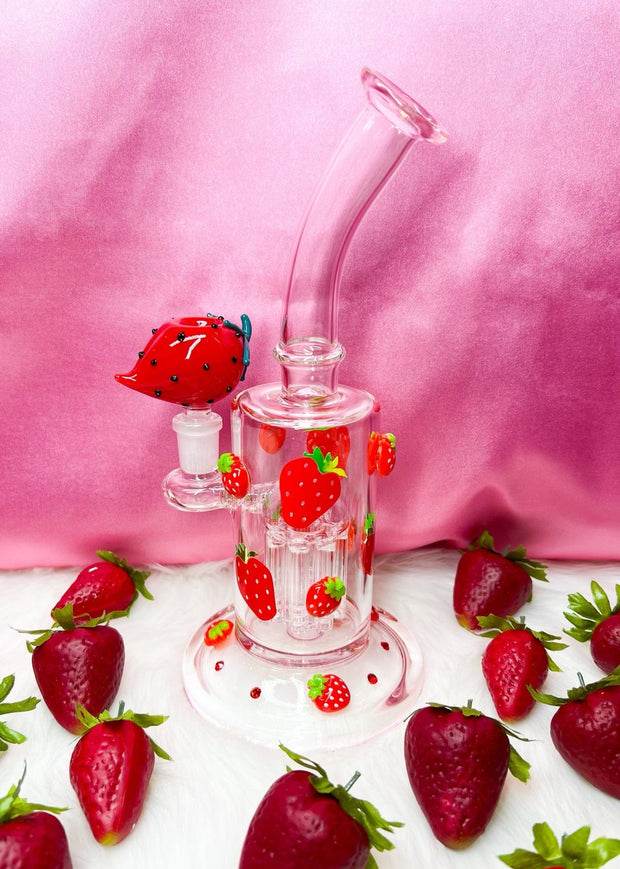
x=235 y=476
x=597 y=622
x=218 y=631
x=336 y=441
x=192 y=361
x=271 y=438
x=255 y=583
x=457 y=760
x=492 y=583
x=586 y=730
x=309 y=486
x=574 y=850
x=77 y=665
x=304 y=821
x=368 y=544
x=110 y=769
x=324 y=596
x=329 y=693
x=7 y=734
x=107 y=587
x=515 y=658
x=30 y=836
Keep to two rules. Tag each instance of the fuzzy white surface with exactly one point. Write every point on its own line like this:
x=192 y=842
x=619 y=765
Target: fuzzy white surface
x=199 y=805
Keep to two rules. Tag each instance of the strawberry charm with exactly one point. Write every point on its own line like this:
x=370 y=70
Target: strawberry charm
x=492 y=583
x=574 y=851
x=31 y=837
x=336 y=441
x=516 y=657
x=324 y=596
x=304 y=821
x=309 y=486
x=586 y=730
x=329 y=693
x=381 y=453
x=235 y=476
x=107 y=587
x=598 y=622
x=192 y=361
x=368 y=544
x=110 y=769
x=255 y=583
x=457 y=760
x=218 y=631
x=7 y=734
x=271 y=438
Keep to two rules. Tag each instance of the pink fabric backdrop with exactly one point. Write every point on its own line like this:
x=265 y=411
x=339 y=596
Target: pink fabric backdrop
x=156 y=161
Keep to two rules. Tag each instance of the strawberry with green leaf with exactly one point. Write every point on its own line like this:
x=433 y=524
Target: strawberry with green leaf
x=367 y=551
x=598 y=622
x=309 y=486
x=235 y=475
x=324 y=596
x=7 y=734
x=516 y=657
x=329 y=693
x=255 y=583
x=575 y=851
x=488 y=582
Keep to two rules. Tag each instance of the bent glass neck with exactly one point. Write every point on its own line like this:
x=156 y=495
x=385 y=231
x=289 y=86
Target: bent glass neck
x=309 y=350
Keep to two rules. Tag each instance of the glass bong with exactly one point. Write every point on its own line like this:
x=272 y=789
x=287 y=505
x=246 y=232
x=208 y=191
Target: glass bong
x=302 y=653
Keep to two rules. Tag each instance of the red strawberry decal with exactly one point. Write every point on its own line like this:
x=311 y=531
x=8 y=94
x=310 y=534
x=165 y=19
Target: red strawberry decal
x=31 y=837
x=598 y=622
x=305 y=821
x=492 y=583
x=329 y=693
x=457 y=760
x=110 y=769
x=573 y=849
x=271 y=438
x=324 y=596
x=192 y=361
x=516 y=658
x=218 y=631
x=107 y=587
x=586 y=730
x=235 y=476
x=336 y=441
x=381 y=453
x=368 y=544
x=255 y=583
x=309 y=486
x=7 y=734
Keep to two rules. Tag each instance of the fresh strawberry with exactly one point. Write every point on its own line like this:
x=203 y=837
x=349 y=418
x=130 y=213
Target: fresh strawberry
x=309 y=486
x=489 y=582
x=368 y=544
x=457 y=760
x=192 y=361
x=7 y=734
x=336 y=441
x=381 y=453
x=515 y=658
x=575 y=851
x=107 y=587
x=271 y=438
x=235 y=476
x=77 y=665
x=586 y=730
x=31 y=837
x=329 y=693
x=304 y=821
x=255 y=583
x=110 y=769
x=218 y=631
x=599 y=623
x=324 y=596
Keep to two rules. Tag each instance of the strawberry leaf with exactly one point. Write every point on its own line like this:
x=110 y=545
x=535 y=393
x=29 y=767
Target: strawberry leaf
x=585 y=615
x=140 y=719
x=545 y=841
x=7 y=735
x=536 y=569
x=14 y=806
x=327 y=464
x=138 y=577
x=575 y=850
x=496 y=625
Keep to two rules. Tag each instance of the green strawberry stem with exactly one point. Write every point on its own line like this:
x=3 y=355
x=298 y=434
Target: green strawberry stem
x=326 y=464
x=89 y=721
x=585 y=615
x=495 y=625
x=360 y=810
x=517 y=765
x=63 y=619
x=242 y=552
x=7 y=734
x=575 y=850
x=138 y=577
x=334 y=587
x=13 y=806
x=578 y=693
x=536 y=569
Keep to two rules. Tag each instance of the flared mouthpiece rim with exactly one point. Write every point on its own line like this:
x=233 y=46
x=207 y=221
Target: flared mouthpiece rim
x=400 y=109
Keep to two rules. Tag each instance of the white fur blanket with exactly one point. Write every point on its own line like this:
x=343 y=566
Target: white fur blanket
x=199 y=805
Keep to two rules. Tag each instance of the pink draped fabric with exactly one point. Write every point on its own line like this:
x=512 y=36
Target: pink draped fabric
x=156 y=161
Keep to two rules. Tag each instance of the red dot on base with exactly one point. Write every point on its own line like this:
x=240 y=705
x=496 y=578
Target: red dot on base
x=372 y=678
x=385 y=645
x=255 y=693
x=219 y=665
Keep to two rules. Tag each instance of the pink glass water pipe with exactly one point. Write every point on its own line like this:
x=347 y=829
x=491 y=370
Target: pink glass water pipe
x=299 y=480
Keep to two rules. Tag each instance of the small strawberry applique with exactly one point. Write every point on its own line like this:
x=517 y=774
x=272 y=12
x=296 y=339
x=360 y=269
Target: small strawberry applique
x=381 y=453
x=368 y=544
x=309 y=486
x=324 y=596
x=235 y=476
x=255 y=583
x=329 y=692
x=336 y=441
x=218 y=631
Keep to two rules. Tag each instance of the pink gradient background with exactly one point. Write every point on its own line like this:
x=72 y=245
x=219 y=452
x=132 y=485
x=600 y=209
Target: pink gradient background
x=156 y=161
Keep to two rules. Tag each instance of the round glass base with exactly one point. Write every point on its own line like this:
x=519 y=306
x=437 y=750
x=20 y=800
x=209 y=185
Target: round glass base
x=269 y=704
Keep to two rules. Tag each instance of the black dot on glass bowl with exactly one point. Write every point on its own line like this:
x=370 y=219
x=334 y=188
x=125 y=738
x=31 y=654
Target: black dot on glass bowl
x=206 y=366
x=153 y=331
x=174 y=378
x=234 y=360
x=214 y=325
x=219 y=665
x=385 y=645
x=140 y=354
x=237 y=334
x=372 y=678
x=153 y=361
x=255 y=693
x=229 y=389
x=158 y=393
x=181 y=336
